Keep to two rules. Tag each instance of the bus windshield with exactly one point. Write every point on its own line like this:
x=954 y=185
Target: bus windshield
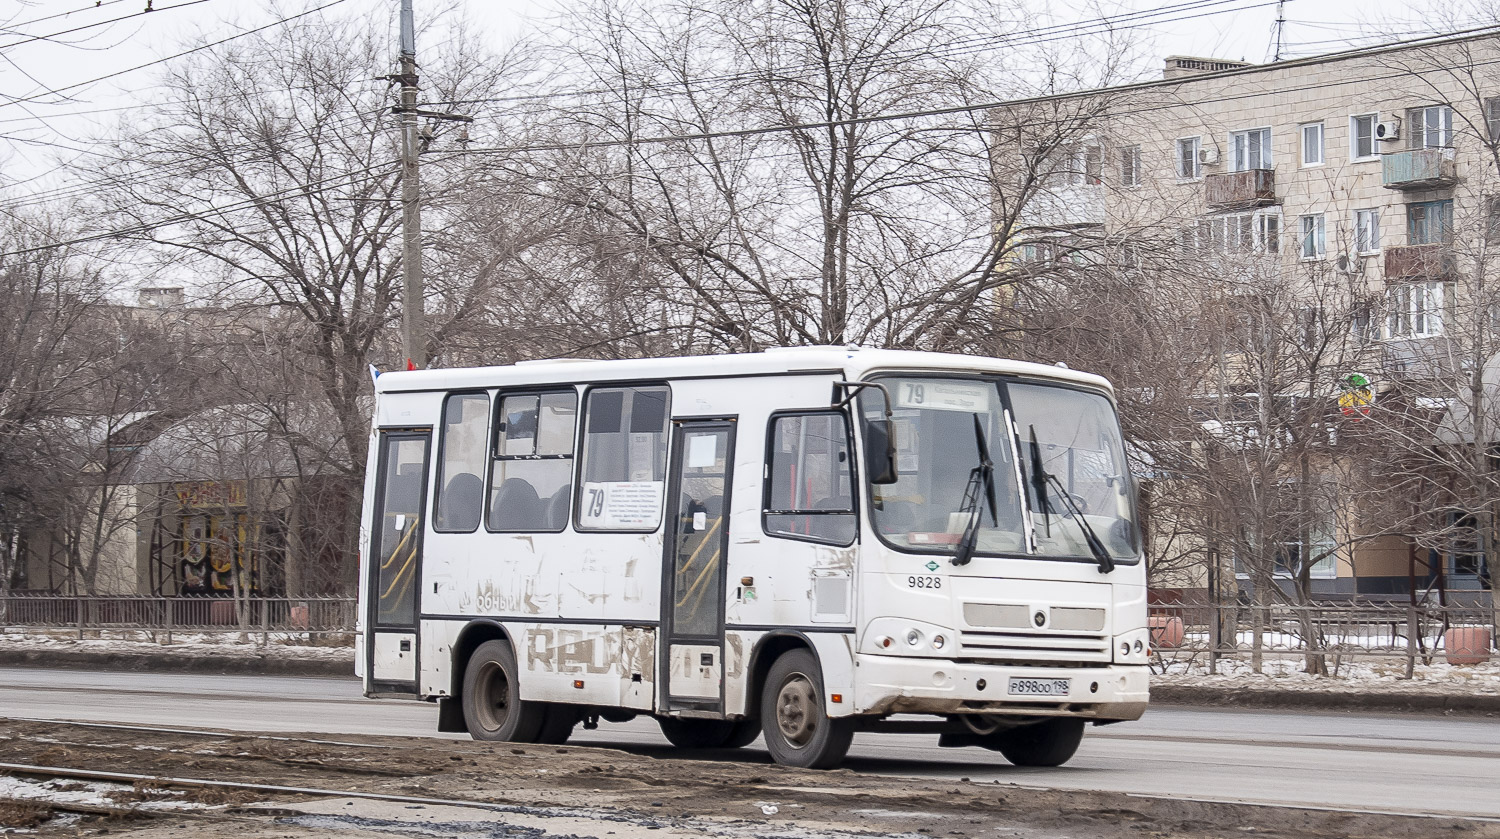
x=1074 y=470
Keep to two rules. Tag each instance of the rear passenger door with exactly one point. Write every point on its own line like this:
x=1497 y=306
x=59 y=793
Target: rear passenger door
x=395 y=563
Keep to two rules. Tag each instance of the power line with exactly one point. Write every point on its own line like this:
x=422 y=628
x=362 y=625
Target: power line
x=961 y=47
x=97 y=5
x=31 y=38
x=369 y=173
x=1076 y=26
x=1012 y=103
x=174 y=56
x=170 y=168
x=1363 y=52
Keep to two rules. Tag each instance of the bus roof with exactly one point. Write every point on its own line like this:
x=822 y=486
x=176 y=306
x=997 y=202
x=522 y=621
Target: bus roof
x=850 y=362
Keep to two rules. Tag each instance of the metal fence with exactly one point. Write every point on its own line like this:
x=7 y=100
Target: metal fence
x=1414 y=634
x=314 y=616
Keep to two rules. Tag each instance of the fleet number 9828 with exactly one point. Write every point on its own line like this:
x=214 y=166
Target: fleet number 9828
x=924 y=582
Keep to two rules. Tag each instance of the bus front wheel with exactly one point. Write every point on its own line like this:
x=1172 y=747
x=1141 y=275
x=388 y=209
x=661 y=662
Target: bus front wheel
x=493 y=709
x=1048 y=743
x=798 y=730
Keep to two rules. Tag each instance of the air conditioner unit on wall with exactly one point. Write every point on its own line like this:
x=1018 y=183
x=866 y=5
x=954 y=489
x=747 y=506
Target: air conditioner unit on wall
x=1388 y=130
x=1208 y=157
x=1349 y=264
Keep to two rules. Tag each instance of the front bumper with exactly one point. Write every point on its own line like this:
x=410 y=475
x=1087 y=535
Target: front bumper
x=894 y=685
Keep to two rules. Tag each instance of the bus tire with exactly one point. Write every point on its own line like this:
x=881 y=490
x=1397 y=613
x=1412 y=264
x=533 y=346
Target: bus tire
x=493 y=708
x=1047 y=743
x=558 y=724
x=798 y=730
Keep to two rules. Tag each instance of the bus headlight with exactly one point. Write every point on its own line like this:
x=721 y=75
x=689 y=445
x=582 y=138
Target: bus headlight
x=906 y=637
x=1132 y=647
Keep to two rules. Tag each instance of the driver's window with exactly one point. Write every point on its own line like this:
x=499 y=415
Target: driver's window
x=809 y=491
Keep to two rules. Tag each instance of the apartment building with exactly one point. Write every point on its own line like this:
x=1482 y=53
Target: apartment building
x=1365 y=180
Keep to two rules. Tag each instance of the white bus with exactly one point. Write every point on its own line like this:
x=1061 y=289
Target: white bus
x=803 y=543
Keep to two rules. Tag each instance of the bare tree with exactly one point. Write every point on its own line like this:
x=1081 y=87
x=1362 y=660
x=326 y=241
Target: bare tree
x=778 y=172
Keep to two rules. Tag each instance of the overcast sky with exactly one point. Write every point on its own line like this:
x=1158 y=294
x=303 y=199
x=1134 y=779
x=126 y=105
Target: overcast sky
x=33 y=132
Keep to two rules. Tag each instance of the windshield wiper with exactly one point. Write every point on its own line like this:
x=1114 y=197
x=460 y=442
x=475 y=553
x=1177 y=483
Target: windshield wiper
x=981 y=479
x=1040 y=478
x=1039 y=483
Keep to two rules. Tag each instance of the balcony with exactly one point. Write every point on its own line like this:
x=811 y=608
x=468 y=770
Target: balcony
x=1066 y=207
x=1240 y=190
x=1419 y=169
x=1417 y=262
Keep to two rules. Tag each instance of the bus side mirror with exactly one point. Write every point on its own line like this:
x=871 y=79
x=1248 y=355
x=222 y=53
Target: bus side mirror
x=880 y=451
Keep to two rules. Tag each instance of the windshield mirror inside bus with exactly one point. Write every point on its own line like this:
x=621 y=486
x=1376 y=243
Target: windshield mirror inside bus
x=938 y=424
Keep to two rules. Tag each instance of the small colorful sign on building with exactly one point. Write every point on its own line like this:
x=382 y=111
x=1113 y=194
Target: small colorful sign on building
x=1356 y=395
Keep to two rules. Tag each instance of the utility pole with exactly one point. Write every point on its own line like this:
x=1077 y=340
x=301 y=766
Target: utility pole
x=413 y=319
x=413 y=326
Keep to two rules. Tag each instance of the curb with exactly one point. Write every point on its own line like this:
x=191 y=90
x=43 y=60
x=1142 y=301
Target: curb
x=167 y=663
x=1307 y=700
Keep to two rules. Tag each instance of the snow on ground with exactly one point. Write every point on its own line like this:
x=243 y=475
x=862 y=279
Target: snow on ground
x=292 y=645
x=1346 y=674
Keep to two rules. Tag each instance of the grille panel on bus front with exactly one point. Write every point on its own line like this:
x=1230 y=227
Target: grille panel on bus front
x=1014 y=616
x=1008 y=631
x=1036 y=645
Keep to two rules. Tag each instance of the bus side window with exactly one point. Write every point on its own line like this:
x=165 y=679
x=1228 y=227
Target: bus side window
x=809 y=490
x=460 y=484
x=531 y=476
x=624 y=468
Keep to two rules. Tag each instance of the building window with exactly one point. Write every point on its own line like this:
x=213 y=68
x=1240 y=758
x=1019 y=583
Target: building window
x=1241 y=233
x=624 y=468
x=1077 y=164
x=809 y=490
x=1366 y=231
x=1188 y=167
x=1492 y=220
x=1250 y=150
x=1362 y=136
x=1308 y=532
x=1430 y=127
x=1492 y=117
x=531 y=477
x=1429 y=222
x=1313 y=238
x=1130 y=166
x=1415 y=310
x=1364 y=325
x=1465 y=545
x=460 y=496
x=1312 y=144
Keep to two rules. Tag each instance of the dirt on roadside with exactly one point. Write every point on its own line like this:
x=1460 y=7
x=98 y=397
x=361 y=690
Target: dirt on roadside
x=554 y=792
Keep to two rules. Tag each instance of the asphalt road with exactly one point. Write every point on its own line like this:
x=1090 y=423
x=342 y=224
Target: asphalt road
x=1409 y=764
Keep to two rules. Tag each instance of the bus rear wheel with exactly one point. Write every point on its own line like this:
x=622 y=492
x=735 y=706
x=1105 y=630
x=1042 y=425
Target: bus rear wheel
x=493 y=708
x=1047 y=743
x=709 y=734
x=798 y=730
